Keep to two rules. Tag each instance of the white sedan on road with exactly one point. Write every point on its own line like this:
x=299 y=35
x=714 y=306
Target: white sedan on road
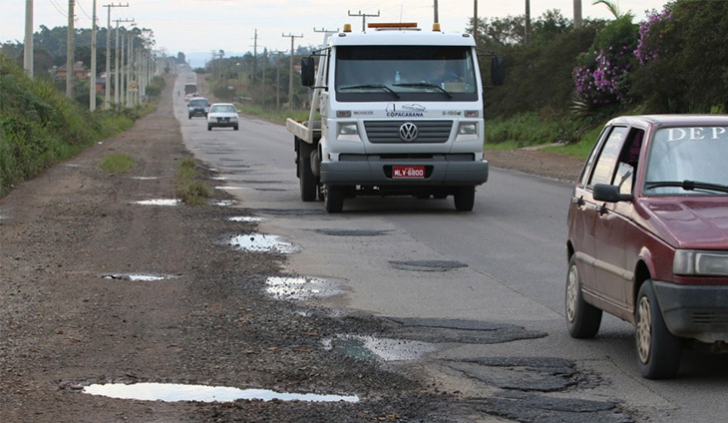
x=222 y=115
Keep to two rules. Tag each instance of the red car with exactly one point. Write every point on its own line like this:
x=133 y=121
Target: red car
x=648 y=236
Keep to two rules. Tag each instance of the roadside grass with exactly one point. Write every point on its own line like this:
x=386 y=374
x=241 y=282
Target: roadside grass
x=117 y=163
x=191 y=189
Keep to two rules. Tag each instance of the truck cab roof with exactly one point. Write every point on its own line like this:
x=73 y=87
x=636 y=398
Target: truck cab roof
x=402 y=37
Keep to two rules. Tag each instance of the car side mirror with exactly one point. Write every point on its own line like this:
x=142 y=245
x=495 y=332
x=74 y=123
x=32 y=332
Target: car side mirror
x=610 y=194
x=308 y=77
x=497 y=71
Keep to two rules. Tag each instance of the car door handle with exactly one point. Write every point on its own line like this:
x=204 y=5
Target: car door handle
x=578 y=201
x=601 y=209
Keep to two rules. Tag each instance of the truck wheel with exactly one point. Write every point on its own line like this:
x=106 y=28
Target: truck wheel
x=658 y=351
x=582 y=319
x=464 y=198
x=334 y=199
x=306 y=178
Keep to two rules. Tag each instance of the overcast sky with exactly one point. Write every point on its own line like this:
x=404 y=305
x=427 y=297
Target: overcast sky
x=197 y=26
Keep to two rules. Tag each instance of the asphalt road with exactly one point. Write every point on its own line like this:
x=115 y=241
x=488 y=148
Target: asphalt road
x=503 y=263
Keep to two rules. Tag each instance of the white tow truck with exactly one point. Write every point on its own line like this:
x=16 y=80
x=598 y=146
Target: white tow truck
x=395 y=111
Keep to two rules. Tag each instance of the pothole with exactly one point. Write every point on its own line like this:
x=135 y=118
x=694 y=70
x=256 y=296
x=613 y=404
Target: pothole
x=351 y=232
x=300 y=288
x=263 y=243
x=460 y=331
x=427 y=265
x=222 y=203
x=136 y=277
x=246 y=219
x=145 y=178
x=170 y=392
x=378 y=349
x=231 y=188
x=159 y=202
x=270 y=189
x=291 y=212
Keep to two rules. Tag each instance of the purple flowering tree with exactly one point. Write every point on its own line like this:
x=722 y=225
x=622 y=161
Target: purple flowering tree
x=650 y=45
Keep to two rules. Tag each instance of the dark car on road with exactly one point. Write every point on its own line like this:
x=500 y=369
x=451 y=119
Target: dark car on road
x=648 y=236
x=198 y=106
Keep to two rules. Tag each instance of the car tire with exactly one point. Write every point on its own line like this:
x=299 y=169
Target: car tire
x=189 y=117
x=658 y=351
x=465 y=198
x=334 y=200
x=209 y=128
x=235 y=127
x=306 y=178
x=582 y=319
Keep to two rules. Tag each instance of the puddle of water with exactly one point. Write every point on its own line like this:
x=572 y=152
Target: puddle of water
x=136 y=277
x=378 y=349
x=233 y=188
x=300 y=288
x=159 y=202
x=223 y=203
x=263 y=243
x=73 y=165
x=219 y=178
x=170 y=392
x=145 y=178
x=246 y=219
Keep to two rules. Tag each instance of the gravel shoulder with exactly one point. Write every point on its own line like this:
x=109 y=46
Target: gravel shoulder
x=70 y=316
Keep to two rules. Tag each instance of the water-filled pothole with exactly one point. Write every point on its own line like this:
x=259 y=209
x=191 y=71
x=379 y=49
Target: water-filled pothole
x=159 y=202
x=145 y=178
x=263 y=243
x=170 y=392
x=222 y=203
x=378 y=349
x=246 y=219
x=231 y=188
x=300 y=288
x=136 y=277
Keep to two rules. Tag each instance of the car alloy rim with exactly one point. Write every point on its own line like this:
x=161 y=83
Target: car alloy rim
x=572 y=293
x=644 y=329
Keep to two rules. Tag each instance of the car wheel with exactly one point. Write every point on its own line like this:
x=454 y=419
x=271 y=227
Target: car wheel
x=582 y=319
x=235 y=127
x=658 y=351
x=189 y=117
x=464 y=198
x=306 y=178
x=209 y=128
x=334 y=200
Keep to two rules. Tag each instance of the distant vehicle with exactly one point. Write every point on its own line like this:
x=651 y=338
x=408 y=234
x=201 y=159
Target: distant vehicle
x=198 y=106
x=190 y=88
x=648 y=236
x=222 y=115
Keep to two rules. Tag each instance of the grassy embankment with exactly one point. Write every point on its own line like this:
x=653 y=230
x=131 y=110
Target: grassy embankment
x=40 y=127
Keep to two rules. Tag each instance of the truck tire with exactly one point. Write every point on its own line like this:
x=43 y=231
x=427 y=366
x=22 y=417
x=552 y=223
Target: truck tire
x=464 y=198
x=658 y=351
x=334 y=199
x=306 y=178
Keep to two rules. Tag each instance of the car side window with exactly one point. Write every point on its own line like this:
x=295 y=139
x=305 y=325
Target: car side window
x=629 y=161
x=607 y=161
x=592 y=156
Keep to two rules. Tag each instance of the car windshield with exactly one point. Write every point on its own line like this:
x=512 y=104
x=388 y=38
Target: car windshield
x=688 y=161
x=198 y=103
x=222 y=109
x=424 y=73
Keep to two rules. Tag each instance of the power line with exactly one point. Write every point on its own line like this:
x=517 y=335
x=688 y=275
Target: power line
x=78 y=3
x=58 y=8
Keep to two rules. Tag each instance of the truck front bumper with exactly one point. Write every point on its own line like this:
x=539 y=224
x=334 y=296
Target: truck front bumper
x=691 y=311
x=440 y=170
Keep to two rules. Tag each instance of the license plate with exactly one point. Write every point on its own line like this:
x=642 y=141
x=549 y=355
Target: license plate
x=411 y=172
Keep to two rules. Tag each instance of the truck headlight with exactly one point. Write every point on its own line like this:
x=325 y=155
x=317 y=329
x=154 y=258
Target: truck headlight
x=702 y=263
x=468 y=128
x=347 y=129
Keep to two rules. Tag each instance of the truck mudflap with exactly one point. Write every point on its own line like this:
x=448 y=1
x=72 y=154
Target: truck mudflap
x=377 y=171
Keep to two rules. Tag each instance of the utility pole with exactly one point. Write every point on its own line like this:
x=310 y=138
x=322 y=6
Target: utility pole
x=116 y=60
x=122 y=74
x=527 y=35
x=28 y=52
x=437 y=19
x=577 y=14
x=107 y=94
x=265 y=61
x=475 y=20
x=278 y=80
x=290 y=74
x=363 y=18
x=255 y=58
x=70 y=49
x=92 y=78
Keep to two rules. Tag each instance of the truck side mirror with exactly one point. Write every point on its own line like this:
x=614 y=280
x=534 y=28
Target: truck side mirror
x=308 y=77
x=497 y=70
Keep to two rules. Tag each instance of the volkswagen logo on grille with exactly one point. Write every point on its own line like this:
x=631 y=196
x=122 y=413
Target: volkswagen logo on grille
x=408 y=131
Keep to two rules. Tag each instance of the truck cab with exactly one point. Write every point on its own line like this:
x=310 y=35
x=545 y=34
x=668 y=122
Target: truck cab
x=401 y=113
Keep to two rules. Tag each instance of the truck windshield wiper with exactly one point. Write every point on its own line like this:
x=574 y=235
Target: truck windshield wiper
x=425 y=85
x=367 y=86
x=688 y=185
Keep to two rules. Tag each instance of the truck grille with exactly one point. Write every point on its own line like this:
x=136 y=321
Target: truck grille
x=428 y=131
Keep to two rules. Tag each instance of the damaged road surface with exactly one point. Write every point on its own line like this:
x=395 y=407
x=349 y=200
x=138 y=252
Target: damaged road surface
x=260 y=308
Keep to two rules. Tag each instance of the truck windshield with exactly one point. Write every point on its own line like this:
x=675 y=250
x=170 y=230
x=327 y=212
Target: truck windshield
x=421 y=73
